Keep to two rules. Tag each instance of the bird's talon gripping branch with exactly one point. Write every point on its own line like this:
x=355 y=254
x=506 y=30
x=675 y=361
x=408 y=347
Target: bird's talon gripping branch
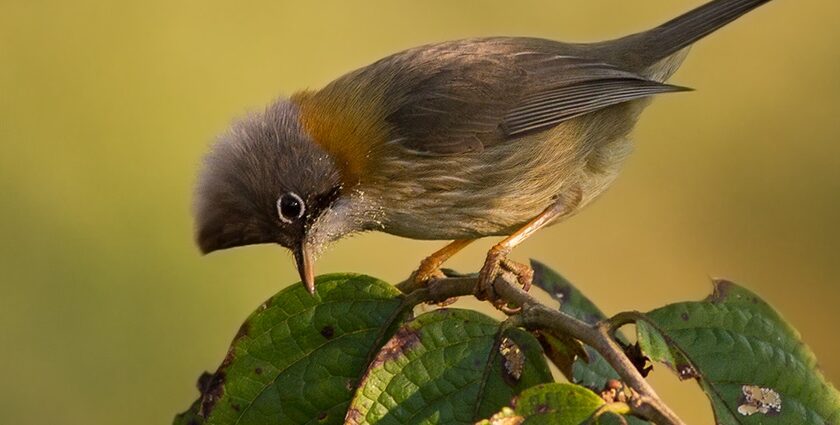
x=524 y=273
x=496 y=263
x=427 y=273
x=491 y=269
x=429 y=269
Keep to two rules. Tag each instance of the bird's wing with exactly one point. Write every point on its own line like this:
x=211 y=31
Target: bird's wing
x=458 y=107
x=551 y=107
x=462 y=97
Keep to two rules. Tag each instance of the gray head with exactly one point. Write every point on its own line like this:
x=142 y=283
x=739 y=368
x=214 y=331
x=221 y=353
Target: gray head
x=265 y=181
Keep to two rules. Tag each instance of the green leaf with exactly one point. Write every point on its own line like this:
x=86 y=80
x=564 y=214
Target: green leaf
x=591 y=370
x=190 y=416
x=557 y=404
x=580 y=364
x=448 y=366
x=297 y=359
x=748 y=360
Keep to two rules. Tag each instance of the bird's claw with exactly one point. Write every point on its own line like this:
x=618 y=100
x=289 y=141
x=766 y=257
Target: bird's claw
x=497 y=262
x=429 y=272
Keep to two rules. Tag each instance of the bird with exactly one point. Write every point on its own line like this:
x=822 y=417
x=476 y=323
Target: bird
x=456 y=140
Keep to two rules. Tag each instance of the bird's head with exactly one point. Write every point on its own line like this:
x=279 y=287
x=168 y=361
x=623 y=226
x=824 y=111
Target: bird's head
x=266 y=181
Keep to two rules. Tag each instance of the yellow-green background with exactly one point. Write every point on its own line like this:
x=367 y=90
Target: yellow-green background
x=108 y=313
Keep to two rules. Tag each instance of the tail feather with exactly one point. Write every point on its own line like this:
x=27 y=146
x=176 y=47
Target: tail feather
x=675 y=34
x=645 y=49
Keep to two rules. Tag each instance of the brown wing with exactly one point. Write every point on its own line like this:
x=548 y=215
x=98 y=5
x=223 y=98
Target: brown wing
x=462 y=96
x=455 y=100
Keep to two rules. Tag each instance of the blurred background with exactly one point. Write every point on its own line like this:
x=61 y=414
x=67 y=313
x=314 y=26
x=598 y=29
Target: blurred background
x=108 y=313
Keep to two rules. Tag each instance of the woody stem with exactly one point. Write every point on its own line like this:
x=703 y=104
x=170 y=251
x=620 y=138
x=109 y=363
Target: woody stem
x=535 y=315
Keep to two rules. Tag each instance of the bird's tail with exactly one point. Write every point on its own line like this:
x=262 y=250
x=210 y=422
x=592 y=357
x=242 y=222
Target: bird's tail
x=647 y=48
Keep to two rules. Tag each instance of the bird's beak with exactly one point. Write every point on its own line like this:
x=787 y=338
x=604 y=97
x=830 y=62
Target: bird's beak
x=303 y=258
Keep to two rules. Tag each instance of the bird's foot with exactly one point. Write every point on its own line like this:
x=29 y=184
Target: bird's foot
x=428 y=272
x=496 y=263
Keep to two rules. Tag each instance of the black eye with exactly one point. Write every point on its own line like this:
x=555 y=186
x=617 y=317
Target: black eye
x=290 y=207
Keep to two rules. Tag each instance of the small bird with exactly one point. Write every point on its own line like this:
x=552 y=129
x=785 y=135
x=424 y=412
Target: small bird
x=458 y=140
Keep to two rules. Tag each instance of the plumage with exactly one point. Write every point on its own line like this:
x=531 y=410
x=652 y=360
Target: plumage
x=455 y=140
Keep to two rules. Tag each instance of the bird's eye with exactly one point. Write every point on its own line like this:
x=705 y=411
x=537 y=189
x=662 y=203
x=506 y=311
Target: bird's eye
x=290 y=207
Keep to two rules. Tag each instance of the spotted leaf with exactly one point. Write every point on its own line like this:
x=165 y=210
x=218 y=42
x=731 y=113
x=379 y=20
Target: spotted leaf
x=749 y=361
x=299 y=357
x=448 y=366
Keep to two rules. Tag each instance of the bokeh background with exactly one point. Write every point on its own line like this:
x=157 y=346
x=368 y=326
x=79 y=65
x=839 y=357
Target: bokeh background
x=108 y=313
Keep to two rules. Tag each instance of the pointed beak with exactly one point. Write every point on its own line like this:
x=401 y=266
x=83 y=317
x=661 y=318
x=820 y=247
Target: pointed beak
x=303 y=258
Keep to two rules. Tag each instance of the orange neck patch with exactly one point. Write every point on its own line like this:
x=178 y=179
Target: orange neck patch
x=349 y=128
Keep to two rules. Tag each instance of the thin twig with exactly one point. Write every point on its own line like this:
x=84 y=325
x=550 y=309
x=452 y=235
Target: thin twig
x=624 y=318
x=534 y=315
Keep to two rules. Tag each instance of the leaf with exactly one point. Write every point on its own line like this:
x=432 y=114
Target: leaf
x=190 y=416
x=591 y=371
x=297 y=359
x=554 y=404
x=747 y=359
x=558 y=404
x=447 y=366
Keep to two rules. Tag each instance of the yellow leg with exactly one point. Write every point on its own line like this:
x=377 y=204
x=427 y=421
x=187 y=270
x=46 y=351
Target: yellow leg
x=497 y=256
x=430 y=266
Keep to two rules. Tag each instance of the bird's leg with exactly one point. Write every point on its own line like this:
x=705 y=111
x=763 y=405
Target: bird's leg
x=497 y=256
x=430 y=266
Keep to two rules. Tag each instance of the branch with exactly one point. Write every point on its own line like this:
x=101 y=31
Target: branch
x=534 y=315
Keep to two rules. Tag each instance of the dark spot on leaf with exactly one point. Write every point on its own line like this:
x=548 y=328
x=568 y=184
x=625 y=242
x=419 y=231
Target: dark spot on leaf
x=543 y=408
x=236 y=407
x=561 y=293
x=327 y=332
x=396 y=347
x=227 y=360
x=213 y=391
x=559 y=290
x=721 y=292
x=204 y=382
x=686 y=371
x=321 y=416
x=258 y=371
x=684 y=316
x=399 y=344
x=242 y=332
x=354 y=417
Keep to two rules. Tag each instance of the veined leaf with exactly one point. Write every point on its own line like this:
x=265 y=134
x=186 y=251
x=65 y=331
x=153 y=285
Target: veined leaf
x=554 y=404
x=748 y=360
x=586 y=368
x=591 y=370
x=448 y=366
x=298 y=358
